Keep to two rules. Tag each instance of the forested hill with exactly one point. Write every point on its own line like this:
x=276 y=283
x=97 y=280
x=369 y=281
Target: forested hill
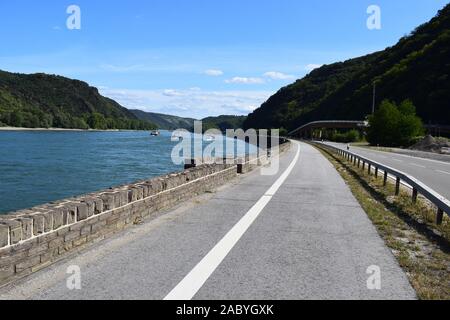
x=165 y=121
x=44 y=101
x=416 y=68
x=168 y=122
x=224 y=122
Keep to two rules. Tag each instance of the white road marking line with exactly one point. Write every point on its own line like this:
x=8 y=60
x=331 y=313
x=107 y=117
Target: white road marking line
x=192 y=283
x=407 y=156
x=441 y=171
x=417 y=165
x=398 y=160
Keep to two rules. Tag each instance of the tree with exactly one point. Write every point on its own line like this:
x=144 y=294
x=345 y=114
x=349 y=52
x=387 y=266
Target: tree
x=5 y=117
x=394 y=126
x=16 y=119
x=97 y=121
x=31 y=121
x=283 y=132
x=410 y=126
x=347 y=137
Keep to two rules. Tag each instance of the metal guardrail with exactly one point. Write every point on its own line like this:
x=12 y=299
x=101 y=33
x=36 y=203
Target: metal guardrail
x=418 y=187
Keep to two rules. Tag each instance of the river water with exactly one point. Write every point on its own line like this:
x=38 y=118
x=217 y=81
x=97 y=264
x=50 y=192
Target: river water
x=37 y=167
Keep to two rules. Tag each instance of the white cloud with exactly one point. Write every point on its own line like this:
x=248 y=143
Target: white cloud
x=274 y=75
x=193 y=103
x=115 y=68
x=310 y=67
x=172 y=93
x=213 y=72
x=245 y=80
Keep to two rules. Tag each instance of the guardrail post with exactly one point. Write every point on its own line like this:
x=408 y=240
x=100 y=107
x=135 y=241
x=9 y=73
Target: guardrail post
x=359 y=162
x=364 y=165
x=385 y=178
x=376 y=172
x=440 y=216
x=397 y=186
x=370 y=169
x=414 y=195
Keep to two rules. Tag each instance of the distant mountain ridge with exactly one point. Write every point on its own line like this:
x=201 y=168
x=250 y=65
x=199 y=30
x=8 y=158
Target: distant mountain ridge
x=224 y=122
x=169 y=122
x=416 y=68
x=165 y=121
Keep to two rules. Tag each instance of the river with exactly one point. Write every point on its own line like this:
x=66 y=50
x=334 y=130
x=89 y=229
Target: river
x=37 y=167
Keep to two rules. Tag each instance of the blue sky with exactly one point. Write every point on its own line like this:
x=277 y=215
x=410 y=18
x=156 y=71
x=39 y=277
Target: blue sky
x=197 y=57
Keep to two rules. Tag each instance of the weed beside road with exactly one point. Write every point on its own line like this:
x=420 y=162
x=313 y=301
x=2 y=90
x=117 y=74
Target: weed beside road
x=421 y=247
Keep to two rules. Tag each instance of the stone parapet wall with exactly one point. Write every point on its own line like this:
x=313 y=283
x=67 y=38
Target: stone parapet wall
x=34 y=238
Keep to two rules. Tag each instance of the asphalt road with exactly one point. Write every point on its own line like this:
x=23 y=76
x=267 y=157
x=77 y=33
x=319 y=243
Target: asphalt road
x=435 y=174
x=297 y=235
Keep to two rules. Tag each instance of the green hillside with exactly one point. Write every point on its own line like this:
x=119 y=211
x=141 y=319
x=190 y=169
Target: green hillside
x=224 y=122
x=164 y=121
x=416 y=68
x=168 y=122
x=44 y=101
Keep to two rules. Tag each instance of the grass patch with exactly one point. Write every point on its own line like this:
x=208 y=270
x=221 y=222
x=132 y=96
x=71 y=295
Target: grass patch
x=366 y=145
x=421 y=247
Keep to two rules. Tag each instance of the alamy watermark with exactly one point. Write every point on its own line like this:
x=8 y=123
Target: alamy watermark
x=222 y=149
x=73 y=282
x=374 y=280
x=73 y=22
x=374 y=19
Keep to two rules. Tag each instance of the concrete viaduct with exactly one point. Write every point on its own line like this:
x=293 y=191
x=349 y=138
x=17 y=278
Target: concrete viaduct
x=306 y=130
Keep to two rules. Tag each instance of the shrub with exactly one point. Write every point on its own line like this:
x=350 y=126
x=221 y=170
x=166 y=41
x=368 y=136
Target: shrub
x=394 y=126
x=347 y=137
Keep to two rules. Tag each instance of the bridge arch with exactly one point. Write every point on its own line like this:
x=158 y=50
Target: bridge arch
x=306 y=130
